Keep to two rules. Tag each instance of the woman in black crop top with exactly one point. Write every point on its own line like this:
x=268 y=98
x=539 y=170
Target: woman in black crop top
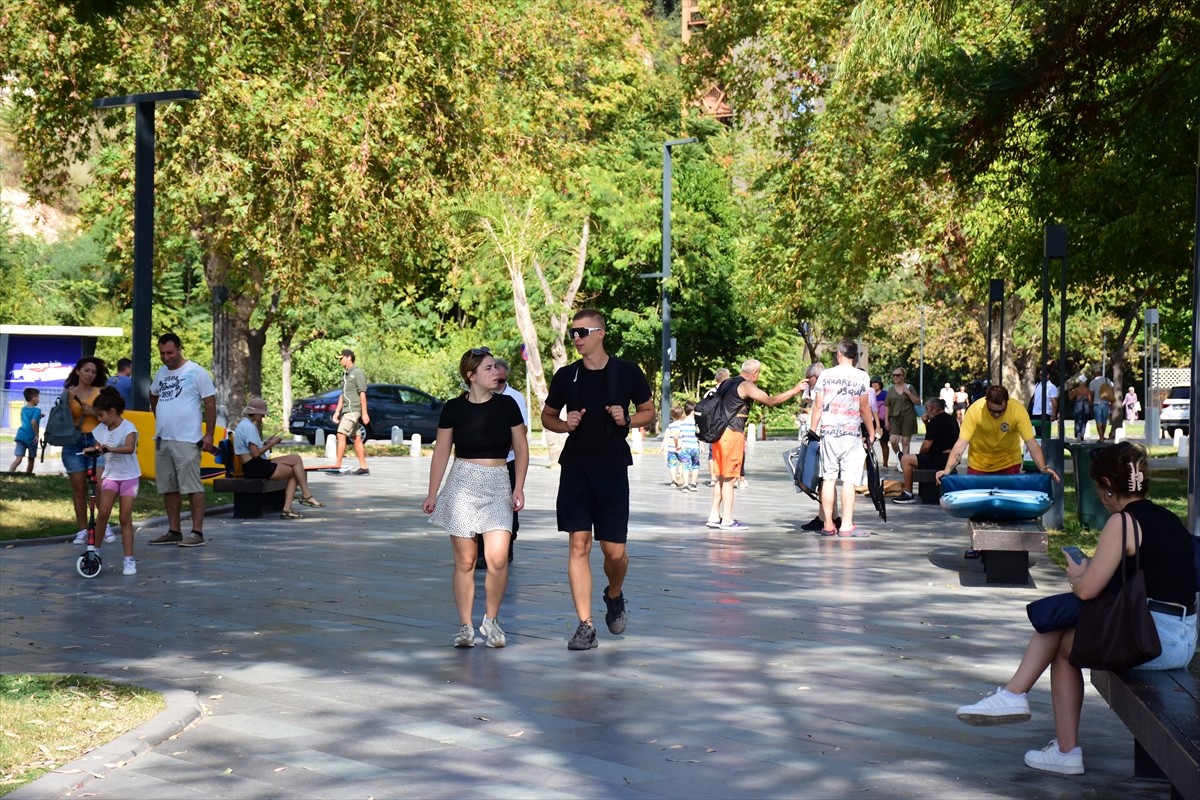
x=1122 y=479
x=476 y=500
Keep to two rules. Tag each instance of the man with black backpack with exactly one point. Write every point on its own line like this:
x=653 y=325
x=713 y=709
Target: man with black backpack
x=735 y=396
x=593 y=488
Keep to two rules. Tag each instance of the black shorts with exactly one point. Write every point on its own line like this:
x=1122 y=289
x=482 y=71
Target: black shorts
x=258 y=468
x=932 y=460
x=594 y=501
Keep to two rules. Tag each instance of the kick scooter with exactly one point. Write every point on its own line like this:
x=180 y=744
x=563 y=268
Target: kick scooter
x=88 y=564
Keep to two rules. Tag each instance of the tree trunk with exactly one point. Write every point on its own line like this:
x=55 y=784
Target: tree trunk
x=231 y=336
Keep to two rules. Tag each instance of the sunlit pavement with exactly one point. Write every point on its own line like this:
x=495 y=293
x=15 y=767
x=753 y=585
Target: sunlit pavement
x=766 y=663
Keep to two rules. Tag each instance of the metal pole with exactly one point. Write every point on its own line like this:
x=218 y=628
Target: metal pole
x=143 y=228
x=1194 y=418
x=143 y=254
x=1052 y=449
x=1062 y=350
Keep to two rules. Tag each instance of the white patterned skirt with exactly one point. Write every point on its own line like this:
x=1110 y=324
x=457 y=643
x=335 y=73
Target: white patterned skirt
x=475 y=499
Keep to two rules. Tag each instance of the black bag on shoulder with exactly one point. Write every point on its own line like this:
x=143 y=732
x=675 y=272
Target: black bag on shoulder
x=60 y=425
x=1115 y=630
x=713 y=415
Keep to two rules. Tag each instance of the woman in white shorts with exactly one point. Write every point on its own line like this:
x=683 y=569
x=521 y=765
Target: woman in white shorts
x=476 y=500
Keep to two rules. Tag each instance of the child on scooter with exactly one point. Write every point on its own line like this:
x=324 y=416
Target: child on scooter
x=116 y=439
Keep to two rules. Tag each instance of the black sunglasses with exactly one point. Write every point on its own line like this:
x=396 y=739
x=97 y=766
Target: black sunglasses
x=480 y=351
x=583 y=333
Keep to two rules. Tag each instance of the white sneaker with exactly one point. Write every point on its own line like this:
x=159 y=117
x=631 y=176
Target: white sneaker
x=130 y=567
x=80 y=538
x=998 y=708
x=109 y=535
x=1051 y=759
x=490 y=630
x=465 y=637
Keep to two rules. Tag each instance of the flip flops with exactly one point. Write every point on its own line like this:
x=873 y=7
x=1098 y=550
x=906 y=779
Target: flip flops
x=854 y=533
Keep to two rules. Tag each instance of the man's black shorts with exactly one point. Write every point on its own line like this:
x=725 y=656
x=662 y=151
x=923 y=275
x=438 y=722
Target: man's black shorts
x=594 y=501
x=932 y=460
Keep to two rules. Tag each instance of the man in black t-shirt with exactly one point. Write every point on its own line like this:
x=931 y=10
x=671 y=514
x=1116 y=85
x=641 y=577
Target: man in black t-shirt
x=941 y=433
x=593 y=488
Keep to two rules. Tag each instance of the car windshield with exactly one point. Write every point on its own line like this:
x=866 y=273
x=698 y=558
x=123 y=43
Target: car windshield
x=1180 y=393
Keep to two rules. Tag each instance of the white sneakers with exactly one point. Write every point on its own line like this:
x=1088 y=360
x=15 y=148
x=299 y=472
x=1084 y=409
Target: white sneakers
x=80 y=538
x=490 y=630
x=1051 y=759
x=465 y=637
x=999 y=708
x=130 y=566
x=1002 y=707
x=109 y=535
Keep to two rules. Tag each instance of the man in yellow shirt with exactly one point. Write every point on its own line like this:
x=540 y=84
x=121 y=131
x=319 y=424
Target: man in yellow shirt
x=995 y=429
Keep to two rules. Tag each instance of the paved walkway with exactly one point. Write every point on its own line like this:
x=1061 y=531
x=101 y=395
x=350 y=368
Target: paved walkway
x=770 y=663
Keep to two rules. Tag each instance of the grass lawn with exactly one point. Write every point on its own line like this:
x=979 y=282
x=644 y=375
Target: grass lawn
x=34 y=506
x=50 y=720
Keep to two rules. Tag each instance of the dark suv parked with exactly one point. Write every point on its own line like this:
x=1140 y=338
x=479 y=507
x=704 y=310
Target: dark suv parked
x=409 y=409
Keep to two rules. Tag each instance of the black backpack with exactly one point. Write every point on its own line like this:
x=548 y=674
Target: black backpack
x=713 y=415
x=60 y=425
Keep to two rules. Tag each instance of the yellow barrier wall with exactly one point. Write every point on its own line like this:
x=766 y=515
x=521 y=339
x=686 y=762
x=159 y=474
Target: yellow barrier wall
x=144 y=422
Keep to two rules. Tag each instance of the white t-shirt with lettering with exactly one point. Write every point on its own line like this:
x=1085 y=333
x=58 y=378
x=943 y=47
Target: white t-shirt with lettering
x=840 y=388
x=179 y=415
x=119 y=466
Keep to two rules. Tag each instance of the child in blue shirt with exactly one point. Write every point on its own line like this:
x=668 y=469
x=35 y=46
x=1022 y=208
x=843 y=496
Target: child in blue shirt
x=671 y=445
x=27 y=434
x=688 y=448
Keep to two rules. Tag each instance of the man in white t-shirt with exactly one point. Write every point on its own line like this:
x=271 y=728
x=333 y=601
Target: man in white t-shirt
x=502 y=387
x=180 y=391
x=840 y=410
x=1050 y=412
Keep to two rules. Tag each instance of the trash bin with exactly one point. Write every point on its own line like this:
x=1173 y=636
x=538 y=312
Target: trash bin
x=1091 y=511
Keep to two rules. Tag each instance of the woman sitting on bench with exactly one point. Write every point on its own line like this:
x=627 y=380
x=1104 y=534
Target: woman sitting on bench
x=1122 y=478
x=248 y=445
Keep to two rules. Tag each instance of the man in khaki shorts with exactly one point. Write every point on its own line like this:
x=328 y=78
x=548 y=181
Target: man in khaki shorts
x=178 y=393
x=352 y=410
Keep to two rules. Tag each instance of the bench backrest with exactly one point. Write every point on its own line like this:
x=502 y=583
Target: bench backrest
x=1026 y=482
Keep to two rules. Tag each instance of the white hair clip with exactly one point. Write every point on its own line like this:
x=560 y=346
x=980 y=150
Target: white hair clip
x=1135 y=478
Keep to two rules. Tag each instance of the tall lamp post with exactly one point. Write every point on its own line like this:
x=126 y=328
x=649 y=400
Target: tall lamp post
x=143 y=228
x=668 y=343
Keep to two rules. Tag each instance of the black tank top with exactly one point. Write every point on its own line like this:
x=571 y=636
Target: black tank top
x=737 y=407
x=1166 y=554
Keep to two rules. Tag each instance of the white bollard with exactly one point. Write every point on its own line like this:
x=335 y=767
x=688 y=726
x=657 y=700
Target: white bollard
x=1184 y=446
x=319 y=440
x=414 y=447
x=1119 y=436
x=1175 y=437
x=635 y=443
x=751 y=430
x=330 y=446
x=397 y=435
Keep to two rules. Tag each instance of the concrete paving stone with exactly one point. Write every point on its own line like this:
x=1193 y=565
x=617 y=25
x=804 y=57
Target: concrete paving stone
x=320 y=651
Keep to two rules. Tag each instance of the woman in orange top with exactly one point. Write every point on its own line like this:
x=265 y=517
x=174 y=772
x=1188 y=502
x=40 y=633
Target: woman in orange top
x=81 y=388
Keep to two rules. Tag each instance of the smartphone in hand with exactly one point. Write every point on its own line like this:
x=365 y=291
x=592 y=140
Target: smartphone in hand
x=1075 y=554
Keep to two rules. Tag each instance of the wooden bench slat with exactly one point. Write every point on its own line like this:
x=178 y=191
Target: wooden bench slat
x=1162 y=711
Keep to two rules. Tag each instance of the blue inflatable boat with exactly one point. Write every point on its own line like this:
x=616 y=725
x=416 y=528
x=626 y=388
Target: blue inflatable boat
x=1001 y=504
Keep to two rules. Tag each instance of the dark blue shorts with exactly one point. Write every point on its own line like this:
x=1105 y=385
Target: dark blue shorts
x=594 y=501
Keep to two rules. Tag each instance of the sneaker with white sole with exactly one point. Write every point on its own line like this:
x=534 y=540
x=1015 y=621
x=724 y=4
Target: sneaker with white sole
x=998 y=708
x=80 y=538
x=465 y=637
x=109 y=535
x=170 y=537
x=905 y=498
x=1051 y=759
x=129 y=567
x=490 y=631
